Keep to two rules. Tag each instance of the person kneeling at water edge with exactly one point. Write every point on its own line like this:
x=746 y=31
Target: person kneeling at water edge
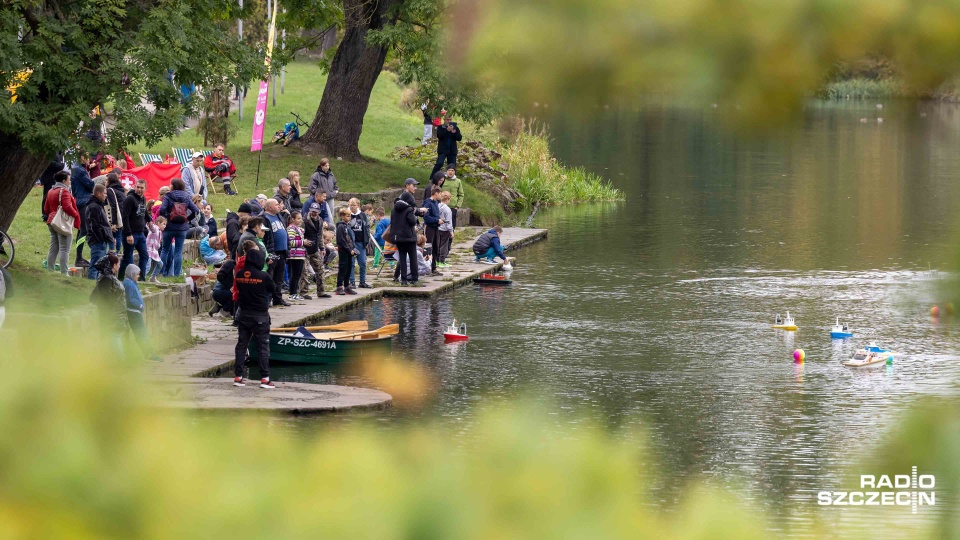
x=253 y=293
x=488 y=246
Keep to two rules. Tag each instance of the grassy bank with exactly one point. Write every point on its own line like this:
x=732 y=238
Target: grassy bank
x=539 y=177
x=860 y=88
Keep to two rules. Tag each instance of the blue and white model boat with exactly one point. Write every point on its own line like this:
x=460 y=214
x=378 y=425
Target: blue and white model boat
x=871 y=356
x=840 y=331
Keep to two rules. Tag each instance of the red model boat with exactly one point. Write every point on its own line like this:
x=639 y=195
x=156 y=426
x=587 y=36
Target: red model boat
x=456 y=334
x=492 y=279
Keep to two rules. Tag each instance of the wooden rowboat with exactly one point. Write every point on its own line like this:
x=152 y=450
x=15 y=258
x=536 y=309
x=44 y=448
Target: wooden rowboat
x=330 y=348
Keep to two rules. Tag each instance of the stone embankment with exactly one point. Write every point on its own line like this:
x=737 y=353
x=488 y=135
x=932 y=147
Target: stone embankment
x=194 y=377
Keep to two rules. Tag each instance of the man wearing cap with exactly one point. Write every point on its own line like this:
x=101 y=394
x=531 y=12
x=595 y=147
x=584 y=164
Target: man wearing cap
x=313 y=226
x=257 y=205
x=222 y=167
x=194 y=177
x=403 y=230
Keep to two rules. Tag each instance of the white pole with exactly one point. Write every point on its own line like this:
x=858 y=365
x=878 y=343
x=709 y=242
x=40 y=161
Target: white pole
x=240 y=88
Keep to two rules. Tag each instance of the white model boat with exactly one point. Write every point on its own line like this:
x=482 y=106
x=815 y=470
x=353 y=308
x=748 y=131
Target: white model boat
x=871 y=356
x=784 y=323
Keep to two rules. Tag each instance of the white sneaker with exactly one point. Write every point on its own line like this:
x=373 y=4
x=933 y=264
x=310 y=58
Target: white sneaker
x=265 y=383
x=238 y=381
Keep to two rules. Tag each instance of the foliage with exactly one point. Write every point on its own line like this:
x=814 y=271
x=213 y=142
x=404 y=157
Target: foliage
x=97 y=456
x=417 y=39
x=215 y=124
x=765 y=57
x=94 y=52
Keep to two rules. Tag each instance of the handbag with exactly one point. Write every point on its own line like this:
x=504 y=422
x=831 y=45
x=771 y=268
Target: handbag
x=62 y=222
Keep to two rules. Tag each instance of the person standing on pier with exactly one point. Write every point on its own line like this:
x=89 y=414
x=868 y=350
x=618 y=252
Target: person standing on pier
x=255 y=289
x=403 y=233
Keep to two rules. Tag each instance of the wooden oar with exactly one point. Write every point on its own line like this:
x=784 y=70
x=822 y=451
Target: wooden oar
x=388 y=330
x=349 y=326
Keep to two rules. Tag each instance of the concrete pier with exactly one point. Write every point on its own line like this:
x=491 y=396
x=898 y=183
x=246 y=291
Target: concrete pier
x=190 y=373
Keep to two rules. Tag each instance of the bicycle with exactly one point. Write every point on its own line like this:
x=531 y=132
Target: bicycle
x=7 y=250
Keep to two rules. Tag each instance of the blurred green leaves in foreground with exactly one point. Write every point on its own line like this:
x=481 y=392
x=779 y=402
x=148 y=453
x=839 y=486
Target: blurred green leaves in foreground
x=86 y=453
x=765 y=57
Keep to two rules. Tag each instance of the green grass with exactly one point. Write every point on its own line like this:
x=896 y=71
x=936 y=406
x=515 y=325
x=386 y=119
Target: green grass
x=864 y=89
x=385 y=126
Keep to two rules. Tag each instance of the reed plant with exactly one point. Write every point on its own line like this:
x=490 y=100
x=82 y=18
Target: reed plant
x=861 y=88
x=540 y=178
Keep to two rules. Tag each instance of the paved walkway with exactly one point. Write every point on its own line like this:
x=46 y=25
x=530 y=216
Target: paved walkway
x=189 y=372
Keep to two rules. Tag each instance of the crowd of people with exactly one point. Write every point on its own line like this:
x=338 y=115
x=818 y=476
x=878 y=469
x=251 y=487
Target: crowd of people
x=270 y=247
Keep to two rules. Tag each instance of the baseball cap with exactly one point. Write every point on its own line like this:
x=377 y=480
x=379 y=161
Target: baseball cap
x=197 y=154
x=245 y=207
x=261 y=196
x=410 y=181
x=314 y=207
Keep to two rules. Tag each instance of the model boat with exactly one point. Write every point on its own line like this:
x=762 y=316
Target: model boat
x=840 y=331
x=455 y=333
x=784 y=323
x=871 y=356
x=492 y=279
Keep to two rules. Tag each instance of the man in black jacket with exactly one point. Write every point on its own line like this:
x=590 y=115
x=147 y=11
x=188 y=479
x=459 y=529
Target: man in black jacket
x=99 y=231
x=313 y=226
x=255 y=293
x=233 y=228
x=135 y=219
x=403 y=228
x=447 y=136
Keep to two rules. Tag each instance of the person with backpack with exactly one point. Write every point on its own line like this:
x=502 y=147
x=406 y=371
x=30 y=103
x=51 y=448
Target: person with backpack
x=179 y=210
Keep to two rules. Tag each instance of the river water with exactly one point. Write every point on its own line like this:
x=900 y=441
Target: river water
x=656 y=312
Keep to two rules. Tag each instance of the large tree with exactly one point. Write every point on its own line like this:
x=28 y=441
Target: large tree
x=412 y=30
x=353 y=72
x=60 y=60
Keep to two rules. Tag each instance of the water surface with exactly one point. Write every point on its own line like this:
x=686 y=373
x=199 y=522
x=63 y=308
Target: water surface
x=655 y=312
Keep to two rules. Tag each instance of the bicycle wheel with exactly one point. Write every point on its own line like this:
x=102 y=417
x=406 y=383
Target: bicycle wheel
x=6 y=250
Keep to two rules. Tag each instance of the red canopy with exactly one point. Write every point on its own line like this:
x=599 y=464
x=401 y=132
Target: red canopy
x=156 y=175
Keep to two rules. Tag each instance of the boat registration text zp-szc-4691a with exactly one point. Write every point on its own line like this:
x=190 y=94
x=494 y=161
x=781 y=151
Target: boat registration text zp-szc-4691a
x=315 y=343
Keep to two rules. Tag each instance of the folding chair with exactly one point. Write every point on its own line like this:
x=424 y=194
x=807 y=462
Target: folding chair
x=384 y=256
x=150 y=158
x=183 y=155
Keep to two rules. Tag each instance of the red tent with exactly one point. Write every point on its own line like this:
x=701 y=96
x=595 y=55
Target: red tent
x=156 y=175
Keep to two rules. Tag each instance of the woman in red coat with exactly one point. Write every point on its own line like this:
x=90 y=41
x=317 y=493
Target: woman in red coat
x=60 y=243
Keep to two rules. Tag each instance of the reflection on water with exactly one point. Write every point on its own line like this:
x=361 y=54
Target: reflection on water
x=656 y=312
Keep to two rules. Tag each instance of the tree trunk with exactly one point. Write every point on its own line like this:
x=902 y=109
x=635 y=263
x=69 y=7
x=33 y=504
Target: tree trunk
x=336 y=128
x=19 y=171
